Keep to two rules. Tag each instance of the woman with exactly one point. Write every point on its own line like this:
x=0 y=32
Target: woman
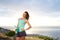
x=20 y=31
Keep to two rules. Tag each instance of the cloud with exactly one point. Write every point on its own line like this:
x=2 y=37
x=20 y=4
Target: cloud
x=6 y=12
x=41 y=8
x=10 y=7
x=47 y=7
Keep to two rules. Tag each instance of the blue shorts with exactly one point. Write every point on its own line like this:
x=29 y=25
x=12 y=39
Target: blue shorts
x=20 y=34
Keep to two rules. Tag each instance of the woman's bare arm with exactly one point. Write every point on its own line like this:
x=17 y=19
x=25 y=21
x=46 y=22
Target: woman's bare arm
x=28 y=25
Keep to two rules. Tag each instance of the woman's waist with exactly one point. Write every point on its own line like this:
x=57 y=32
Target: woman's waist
x=19 y=30
x=20 y=27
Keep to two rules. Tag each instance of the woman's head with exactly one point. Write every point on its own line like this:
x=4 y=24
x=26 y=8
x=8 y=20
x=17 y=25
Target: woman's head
x=26 y=15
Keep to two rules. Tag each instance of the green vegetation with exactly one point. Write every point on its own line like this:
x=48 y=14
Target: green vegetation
x=46 y=38
x=10 y=33
x=41 y=37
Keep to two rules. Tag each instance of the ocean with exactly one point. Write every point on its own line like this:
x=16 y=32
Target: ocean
x=47 y=31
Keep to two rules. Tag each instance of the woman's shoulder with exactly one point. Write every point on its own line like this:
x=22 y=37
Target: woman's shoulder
x=20 y=18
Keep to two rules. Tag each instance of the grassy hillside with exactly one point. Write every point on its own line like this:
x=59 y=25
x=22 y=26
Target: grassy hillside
x=3 y=36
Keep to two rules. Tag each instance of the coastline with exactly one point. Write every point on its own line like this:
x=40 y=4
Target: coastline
x=28 y=37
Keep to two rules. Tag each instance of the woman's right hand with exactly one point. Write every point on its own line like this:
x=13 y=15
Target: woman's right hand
x=23 y=29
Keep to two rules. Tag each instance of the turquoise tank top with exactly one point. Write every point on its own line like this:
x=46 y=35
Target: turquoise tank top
x=21 y=24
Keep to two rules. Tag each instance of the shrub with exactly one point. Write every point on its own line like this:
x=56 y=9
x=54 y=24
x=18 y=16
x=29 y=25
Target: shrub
x=46 y=37
x=10 y=33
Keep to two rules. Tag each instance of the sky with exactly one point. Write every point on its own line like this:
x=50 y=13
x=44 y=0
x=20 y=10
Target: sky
x=42 y=12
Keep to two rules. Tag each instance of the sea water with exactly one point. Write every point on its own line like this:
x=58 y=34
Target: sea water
x=47 y=31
